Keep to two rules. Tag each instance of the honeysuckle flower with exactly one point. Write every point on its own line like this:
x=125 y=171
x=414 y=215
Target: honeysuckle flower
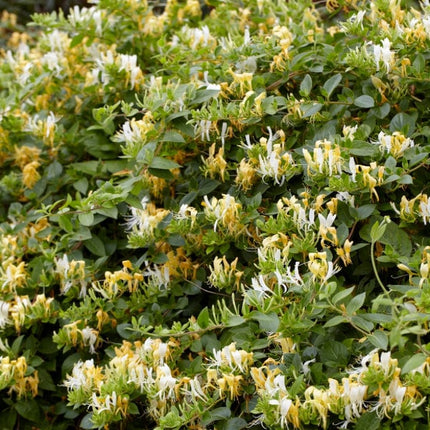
x=345 y=252
x=19 y=311
x=82 y=16
x=320 y=268
x=326 y=158
x=259 y=285
x=90 y=338
x=326 y=229
x=349 y=131
x=215 y=165
x=52 y=61
x=85 y=375
x=424 y=208
x=224 y=274
x=203 y=128
x=231 y=384
x=4 y=313
x=224 y=212
x=200 y=37
x=242 y=81
x=395 y=144
x=208 y=85
x=382 y=53
x=12 y=276
x=165 y=382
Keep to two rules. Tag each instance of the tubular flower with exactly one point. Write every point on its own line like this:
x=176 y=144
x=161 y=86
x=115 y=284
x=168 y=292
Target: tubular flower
x=224 y=274
x=326 y=159
x=224 y=212
x=396 y=144
x=321 y=269
x=30 y=175
x=215 y=165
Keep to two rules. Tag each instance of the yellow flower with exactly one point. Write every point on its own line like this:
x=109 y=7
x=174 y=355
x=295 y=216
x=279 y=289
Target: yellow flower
x=215 y=164
x=30 y=175
x=12 y=275
x=246 y=175
x=25 y=155
x=230 y=383
x=243 y=81
x=345 y=252
x=320 y=268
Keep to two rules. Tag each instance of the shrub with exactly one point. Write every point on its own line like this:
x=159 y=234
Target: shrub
x=217 y=218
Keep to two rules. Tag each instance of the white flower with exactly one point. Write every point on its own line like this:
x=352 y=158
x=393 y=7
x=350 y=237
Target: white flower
x=425 y=211
x=326 y=222
x=259 y=285
x=89 y=337
x=196 y=392
x=79 y=378
x=166 y=382
x=384 y=54
x=203 y=128
x=208 y=85
x=52 y=61
x=352 y=169
x=4 y=313
x=344 y=196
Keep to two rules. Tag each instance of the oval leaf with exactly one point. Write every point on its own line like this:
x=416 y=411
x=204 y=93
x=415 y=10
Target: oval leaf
x=364 y=101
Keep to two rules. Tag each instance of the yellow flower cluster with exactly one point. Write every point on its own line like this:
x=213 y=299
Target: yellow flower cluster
x=13 y=375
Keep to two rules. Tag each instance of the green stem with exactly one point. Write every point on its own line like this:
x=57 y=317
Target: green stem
x=372 y=257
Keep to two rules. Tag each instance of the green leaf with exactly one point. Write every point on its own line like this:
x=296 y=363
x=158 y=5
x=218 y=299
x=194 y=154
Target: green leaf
x=203 y=96
x=172 y=136
x=160 y=173
x=364 y=149
x=133 y=409
x=188 y=198
x=235 y=424
x=45 y=380
x=8 y=419
x=86 y=422
x=334 y=354
x=81 y=185
x=368 y=421
x=96 y=246
x=379 y=339
x=365 y=211
x=377 y=231
x=16 y=345
x=364 y=101
x=206 y=186
x=404 y=123
x=203 y=318
x=310 y=109
x=215 y=415
x=342 y=295
x=125 y=330
x=268 y=322
x=235 y=320
x=338 y=319
x=362 y=323
x=28 y=409
x=415 y=361
x=306 y=86
x=331 y=84
x=65 y=223
x=86 y=219
x=163 y=164
x=355 y=303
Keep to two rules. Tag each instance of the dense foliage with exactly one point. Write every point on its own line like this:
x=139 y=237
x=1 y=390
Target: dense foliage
x=216 y=218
